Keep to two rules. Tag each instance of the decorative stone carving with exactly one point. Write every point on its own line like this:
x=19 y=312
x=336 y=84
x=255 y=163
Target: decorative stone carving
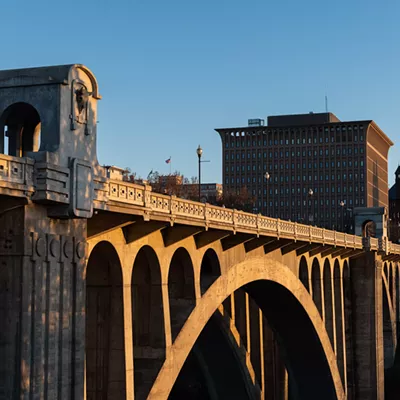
x=40 y=247
x=55 y=248
x=68 y=248
x=81 y=249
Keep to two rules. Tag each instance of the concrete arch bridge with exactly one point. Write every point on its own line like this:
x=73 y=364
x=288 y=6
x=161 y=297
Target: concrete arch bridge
x=111 y=291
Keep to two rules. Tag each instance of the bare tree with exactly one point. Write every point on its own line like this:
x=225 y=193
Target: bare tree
x=240 y=201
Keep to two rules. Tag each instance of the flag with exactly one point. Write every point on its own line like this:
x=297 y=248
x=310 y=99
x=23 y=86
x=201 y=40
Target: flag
x=168 y=161
x=148 y=176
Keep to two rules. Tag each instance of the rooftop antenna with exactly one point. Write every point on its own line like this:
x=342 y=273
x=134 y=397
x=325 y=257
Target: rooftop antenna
x=326 y=103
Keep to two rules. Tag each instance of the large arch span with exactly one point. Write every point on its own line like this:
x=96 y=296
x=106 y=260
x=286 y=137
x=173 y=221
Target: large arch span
x=292 y=314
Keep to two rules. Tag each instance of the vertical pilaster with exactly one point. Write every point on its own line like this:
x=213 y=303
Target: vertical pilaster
x=366 y=287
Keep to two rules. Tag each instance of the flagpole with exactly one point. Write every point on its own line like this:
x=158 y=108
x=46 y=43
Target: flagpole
x=170 y=164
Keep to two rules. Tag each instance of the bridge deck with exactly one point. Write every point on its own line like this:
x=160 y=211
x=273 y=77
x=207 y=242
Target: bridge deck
x=128 y=198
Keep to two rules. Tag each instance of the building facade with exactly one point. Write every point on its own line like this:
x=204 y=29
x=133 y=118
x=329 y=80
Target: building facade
x=210 y=192
x=394 y=209
x=309 y=168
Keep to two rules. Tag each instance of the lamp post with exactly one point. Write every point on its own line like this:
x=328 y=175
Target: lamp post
x=310 y=196
x=199 y=152
x=341 y=204
x=267 y=177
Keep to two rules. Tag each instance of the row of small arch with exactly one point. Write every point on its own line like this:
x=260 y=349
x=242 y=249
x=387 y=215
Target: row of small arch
x=331 y=295
x=104 y=281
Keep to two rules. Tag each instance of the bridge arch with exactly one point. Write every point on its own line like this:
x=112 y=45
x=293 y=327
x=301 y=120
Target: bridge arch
x=316 y=284
x=328 y=299
x=147 y=320
x=181 y=289
x=304 y=275
x=105 y=345
x=312 y=364
x=368 y=228
x=20 y=127
x=338 y=296
x=210 y=270
x=389 y=321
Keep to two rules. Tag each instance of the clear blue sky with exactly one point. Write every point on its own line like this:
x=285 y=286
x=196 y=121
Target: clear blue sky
x=172 y=71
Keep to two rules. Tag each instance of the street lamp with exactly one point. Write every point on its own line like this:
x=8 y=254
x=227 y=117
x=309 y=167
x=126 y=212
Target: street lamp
x=267 y=177
x=199 y=152
x=341 y=204
x=310 y=195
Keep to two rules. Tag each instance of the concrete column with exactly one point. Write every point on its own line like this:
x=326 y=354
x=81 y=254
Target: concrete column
x=255 y=334
x=261 y=350
x=366 y=287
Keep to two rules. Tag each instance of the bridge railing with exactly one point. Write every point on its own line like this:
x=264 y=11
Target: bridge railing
x=17 y=176
x=157 y=203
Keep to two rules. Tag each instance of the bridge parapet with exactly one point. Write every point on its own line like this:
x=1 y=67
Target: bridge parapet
x=21 y=177
x=172 y=207
x=16 y=176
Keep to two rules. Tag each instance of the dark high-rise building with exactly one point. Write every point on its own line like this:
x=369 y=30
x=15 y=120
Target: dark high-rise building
x=394 y=209
x=310 y=168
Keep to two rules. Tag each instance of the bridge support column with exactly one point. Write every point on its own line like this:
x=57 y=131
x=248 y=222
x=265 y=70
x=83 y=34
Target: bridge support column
x=42 y=305
x=366 y=287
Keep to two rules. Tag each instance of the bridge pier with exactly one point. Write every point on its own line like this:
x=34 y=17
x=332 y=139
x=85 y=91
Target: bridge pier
x=366 y=288
x=307 y=312
x=42 y=305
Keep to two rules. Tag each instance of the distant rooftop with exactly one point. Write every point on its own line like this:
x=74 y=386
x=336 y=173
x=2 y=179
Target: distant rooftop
x=302 y=119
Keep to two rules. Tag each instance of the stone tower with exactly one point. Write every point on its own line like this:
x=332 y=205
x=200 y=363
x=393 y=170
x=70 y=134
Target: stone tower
x=48 y=130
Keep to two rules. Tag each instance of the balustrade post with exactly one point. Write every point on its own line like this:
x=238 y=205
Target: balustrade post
x=234 y=219
x=172 y=204
x=206 y=212
x=147 y=196
x=258 y=224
